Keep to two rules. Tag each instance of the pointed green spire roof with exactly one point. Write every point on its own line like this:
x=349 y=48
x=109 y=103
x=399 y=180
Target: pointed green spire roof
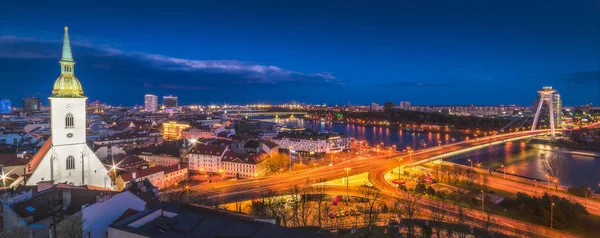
x=66 y=54
x=67 y=85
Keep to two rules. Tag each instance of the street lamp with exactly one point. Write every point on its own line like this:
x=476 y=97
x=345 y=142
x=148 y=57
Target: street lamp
x=410 y=151
x=482 y=201
x=399 y=167
x=504 y=170
x=290 y=150
x=3 y=179
x=347 y=185
x=222 y=175
x=471 y=161
x=551 y=215
x=586 y=192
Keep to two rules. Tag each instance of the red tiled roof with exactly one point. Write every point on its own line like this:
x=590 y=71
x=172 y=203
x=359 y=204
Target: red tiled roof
x=173 y=168
x=245 y=158
x=128 y=160
x=37 y=158
x=207 y=149
x=11 y=160
x=141 y=173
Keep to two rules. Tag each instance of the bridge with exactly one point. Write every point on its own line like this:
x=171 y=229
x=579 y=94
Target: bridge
x=376 y=167
x=256 y=113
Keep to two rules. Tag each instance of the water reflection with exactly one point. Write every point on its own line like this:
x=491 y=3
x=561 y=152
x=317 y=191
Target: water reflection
x=519 y=157
x=526 y=159
x=376 y=135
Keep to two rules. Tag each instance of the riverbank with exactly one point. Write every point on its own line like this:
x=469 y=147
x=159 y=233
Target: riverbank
x=570 y=145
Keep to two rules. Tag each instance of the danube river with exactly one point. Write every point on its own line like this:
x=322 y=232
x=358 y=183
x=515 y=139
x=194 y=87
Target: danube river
x=520 y=158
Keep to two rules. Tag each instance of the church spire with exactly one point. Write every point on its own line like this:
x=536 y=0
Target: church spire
x=67 y=85
x=66 y=54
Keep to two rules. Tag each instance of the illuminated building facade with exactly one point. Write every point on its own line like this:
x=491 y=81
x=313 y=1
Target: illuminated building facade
x=151 y=103
x=172 y=130
x=68 y=158
x=170 y=102
x=5 y=106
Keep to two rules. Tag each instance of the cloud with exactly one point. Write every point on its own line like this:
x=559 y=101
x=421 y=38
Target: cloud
x=417 y=84
x=104 y=57
x=582 y=77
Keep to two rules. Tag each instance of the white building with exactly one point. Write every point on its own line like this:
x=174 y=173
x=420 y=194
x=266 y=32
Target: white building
x=313 y=143
x=68 y=158
x=243 y=165
x=405 y=105
x=151 y=103
x=206 y=158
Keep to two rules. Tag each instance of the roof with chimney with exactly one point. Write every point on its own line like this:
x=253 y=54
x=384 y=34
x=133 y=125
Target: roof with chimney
x=207 y=149
x=202 y=221
x=174 y=168
x=231 y=156
x=141 y=173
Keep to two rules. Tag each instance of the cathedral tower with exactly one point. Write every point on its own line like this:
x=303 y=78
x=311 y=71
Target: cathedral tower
x=69 y=159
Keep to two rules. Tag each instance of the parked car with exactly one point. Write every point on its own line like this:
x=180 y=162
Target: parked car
x=430 y=180
x=336 y=200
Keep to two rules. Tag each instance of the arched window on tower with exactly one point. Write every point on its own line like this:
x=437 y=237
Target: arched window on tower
x=69 y=121
x=70 y=162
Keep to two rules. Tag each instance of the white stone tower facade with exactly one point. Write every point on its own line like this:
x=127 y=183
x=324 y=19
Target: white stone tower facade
x=69 y=159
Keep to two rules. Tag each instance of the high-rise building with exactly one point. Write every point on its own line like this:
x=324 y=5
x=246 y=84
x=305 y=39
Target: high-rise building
x=31 y=104
x=405 y=105
x=374 y=107
x=557 y=101
x=66 y=157
x=5 y=106
x=170 y=102
x=151 y=102
x=389 y=106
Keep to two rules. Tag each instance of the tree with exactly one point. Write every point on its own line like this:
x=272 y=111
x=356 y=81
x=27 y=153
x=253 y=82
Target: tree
x=71 y=227
x=407 y=205
x=371 y=212
x=431 y=191
x=420 y=188
x=277 y=162
x=454 y=175
x=305 y=209
x=488 y=225
x=21 y=231
x=555 y=167
x=320 y=192
x=294 y=192
x=470 y=176
x=438 y=216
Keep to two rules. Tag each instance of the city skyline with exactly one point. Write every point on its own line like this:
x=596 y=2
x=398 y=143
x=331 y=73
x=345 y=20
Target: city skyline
x=375 y=56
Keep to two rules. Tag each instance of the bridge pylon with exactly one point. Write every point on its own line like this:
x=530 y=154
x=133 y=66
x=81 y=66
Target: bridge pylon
x=546 y=94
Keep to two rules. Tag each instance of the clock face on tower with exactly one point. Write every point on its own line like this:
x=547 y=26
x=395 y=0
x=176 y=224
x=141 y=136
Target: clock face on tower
x=69 y=106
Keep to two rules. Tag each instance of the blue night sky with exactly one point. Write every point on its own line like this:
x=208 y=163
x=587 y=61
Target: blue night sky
x=427 y=52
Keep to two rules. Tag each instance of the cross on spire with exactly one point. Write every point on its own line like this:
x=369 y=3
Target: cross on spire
x=66 y=54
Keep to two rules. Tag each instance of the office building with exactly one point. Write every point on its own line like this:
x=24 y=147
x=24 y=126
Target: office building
x=557 y=101
x=151 y=103
x=31 y=104
x=5 y=106
x=405 y=105
x=170 y=102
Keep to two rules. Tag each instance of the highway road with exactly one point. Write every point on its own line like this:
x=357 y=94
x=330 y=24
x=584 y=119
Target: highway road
x=377 y=166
